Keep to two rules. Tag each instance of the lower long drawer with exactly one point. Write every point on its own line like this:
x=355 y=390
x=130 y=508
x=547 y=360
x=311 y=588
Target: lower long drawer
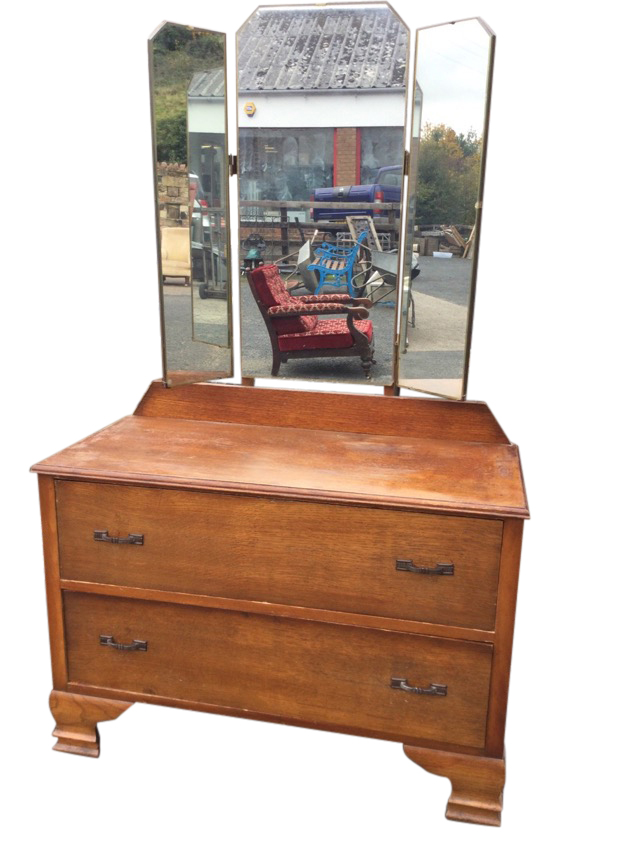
x=329 y=675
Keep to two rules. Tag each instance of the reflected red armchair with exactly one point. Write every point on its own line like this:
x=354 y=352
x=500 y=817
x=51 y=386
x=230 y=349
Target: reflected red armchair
x=311 y=326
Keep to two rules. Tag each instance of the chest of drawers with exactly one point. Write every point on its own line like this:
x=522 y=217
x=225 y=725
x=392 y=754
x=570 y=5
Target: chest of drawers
x=346 y=563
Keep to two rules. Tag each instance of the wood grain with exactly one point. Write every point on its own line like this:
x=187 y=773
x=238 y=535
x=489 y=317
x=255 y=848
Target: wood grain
x=46 y=487
x=410 y=417
x=319 y=673
x=455 y=477
x=76 y=719
x=132 y=696
x=505 y=622
x=285 y=552
x=182 y=377
x=267 y=586
x=337 y=617
x=476 y=783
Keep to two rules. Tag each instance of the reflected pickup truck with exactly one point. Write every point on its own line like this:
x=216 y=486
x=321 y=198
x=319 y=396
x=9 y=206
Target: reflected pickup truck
x=387 y=187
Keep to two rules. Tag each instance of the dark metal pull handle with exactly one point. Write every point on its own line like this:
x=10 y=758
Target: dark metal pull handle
x=131 y=539
x=135 y=646
x=439 y=569
x=431 y=690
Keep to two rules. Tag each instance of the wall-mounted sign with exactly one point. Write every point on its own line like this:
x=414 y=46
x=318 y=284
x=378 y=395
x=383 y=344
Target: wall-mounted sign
x=250 y=109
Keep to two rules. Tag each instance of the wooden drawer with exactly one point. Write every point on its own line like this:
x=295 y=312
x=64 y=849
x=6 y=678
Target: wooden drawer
x=287 y=552
x=320 y=673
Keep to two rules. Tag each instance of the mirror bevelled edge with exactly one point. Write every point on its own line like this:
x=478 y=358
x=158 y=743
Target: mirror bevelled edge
x=437 y=308
x=193 y=245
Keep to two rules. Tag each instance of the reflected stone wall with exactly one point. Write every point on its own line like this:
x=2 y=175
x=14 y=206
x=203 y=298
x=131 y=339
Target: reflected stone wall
x=173 y=194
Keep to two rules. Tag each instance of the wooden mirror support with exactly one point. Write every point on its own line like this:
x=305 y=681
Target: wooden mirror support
x=404 y=627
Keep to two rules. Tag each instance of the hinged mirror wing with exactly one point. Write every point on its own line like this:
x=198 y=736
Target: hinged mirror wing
x=191 y=172
x=449 y=129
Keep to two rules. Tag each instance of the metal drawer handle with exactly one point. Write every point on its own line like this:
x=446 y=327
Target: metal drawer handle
x=135 y=646
x=131 y=539
x=431 y=690
x=440 y=568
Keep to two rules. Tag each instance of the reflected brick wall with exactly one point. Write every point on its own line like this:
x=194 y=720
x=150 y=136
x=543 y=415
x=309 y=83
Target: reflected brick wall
x=346 y=157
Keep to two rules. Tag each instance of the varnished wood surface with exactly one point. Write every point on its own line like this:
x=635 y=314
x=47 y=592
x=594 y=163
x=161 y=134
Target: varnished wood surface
x=264 y=587
x=132 y=696
x=505 y=622
x=476 y=783
x=76 y=719
x=457 y=477
x=46 y=487
x=375 y=415
x=317 y=673
x=182 y=377
x=289 y=611
x=288 y=552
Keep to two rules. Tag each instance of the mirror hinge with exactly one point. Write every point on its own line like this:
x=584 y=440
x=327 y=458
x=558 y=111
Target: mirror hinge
x=233 y=165
x=406 y=163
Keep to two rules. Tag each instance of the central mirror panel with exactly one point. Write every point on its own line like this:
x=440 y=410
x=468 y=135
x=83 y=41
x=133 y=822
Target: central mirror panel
x=321 y=112
x=451 y=100
x=188 y=96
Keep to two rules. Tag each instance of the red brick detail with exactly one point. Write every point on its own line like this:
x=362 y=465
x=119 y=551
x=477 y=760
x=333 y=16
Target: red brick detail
x=346 y=156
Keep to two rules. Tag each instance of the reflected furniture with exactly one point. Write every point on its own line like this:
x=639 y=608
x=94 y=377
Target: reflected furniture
x=335 y=265
x=184 y=568
x=322 y=326
x=175 y=253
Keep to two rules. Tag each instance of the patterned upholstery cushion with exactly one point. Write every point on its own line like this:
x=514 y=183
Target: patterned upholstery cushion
x=324 y=297
x=271 y=288
x=272 y=291
x=293 y=325
x=330 y=333
x=313 y=308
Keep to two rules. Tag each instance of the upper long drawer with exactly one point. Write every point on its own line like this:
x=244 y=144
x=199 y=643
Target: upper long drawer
x=288 y=552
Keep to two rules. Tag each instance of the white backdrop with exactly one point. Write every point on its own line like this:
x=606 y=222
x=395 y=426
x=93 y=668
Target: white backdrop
x=552 y=354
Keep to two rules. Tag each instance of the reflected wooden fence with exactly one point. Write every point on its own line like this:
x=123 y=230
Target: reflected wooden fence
x=283 y=231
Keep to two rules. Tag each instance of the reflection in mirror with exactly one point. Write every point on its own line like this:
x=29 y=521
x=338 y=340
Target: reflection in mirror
x=451 y=105
x=322 y=101
x=188 y=94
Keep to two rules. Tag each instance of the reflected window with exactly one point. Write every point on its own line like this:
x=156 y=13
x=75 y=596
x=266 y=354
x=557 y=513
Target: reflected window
x=285 y=164
x=379 y=147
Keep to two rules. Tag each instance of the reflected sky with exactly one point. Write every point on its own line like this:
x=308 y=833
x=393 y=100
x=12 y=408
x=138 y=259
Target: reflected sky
x=452 y=73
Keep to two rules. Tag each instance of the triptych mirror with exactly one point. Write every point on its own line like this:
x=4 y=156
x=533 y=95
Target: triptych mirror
x=347 y=245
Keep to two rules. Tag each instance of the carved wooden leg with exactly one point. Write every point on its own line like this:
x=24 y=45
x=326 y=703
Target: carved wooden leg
x=77 y=717
x=368 y=361
x=476 y=783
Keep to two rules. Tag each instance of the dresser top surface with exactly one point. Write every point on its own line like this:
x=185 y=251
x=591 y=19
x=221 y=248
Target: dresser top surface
x=470 y=478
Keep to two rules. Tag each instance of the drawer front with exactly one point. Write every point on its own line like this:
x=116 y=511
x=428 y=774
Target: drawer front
x=321 y=673
x=286 y=552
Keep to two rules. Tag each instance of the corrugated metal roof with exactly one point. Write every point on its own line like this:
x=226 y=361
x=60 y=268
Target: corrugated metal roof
x=306 y=49
x=207 y=84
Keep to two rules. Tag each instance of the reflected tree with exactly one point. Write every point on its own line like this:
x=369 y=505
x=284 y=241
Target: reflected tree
x=448 y=176
x=178 y=53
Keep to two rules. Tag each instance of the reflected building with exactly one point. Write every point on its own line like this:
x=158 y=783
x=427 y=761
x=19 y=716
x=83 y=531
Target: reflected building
x=292 y=141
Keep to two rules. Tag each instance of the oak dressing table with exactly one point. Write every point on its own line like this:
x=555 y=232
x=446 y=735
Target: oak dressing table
x=342 y=562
